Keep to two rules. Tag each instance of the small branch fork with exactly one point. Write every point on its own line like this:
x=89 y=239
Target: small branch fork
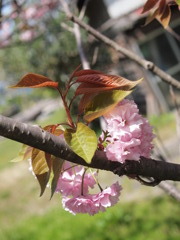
x=129 y=54
x=36 y=137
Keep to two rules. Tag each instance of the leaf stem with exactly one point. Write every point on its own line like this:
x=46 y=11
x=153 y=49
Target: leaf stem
x=70 y=121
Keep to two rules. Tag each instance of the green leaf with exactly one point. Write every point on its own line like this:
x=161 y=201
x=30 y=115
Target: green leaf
x=83 y=141
x=40 y=168
x=43 y=181
x=24 y=154
x=39 y=163
x=178 y=2
x=57 y=166
x=103 y=103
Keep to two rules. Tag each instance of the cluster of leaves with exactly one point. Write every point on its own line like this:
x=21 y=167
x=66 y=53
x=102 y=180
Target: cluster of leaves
x=159 y=9
x=100 y=94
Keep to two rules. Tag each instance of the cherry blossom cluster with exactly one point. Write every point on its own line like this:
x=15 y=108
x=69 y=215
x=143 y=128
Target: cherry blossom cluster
x=128 y=136
x=74 y=184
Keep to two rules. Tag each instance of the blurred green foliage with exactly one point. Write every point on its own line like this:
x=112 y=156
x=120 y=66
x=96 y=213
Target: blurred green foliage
x=54 y=53
x=164 y=125
x=162 y=120
x=9 y=149
x=149 y=219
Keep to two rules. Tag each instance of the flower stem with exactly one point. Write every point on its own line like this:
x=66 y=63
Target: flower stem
x=82 y=184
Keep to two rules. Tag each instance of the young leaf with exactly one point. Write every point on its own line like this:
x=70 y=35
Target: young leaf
x=83 y=141
x=103 y=103
x=39 y=163
x=24 y=154
x=57 y=166
x=91 y=88
x=40 y=168
x=86 y=98
x=43 y=180
x=151 y=17
x=165 y=16
x=149 y=5
x=107 y=80
x=178 y=2
x=53 y=129
x=33 y=80
x=86 y=72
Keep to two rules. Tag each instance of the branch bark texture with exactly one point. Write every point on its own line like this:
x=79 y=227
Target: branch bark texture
x=36 y=137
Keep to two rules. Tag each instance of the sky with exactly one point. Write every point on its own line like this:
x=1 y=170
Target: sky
x=122 y=7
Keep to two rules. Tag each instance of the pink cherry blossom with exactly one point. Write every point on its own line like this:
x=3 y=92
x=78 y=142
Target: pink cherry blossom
x=27 y=35
x=30 y=12
x=130 y=134
x=73 y=181
x=108 y=197
x=94 y=203
x=5 y=30
x=80 y=204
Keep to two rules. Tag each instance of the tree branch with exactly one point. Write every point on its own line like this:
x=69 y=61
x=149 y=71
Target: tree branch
x=129 y=54
x=36 y=137
x=170 y=189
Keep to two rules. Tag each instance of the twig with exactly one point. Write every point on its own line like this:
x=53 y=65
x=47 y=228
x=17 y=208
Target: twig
x=83 y=10
x=1 y=5
x=142 y=62
x=173 y=33
x=66 y=27
x=170 y=189
x=77 y=34
x=177 y=111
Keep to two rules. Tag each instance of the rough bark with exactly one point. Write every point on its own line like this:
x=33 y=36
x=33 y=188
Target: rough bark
x=36 y=137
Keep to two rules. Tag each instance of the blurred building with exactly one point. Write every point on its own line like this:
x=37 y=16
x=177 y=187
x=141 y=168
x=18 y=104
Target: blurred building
x=121 y=20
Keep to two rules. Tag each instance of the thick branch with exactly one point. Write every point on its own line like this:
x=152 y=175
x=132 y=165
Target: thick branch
x=129 y=54
x=36 y=137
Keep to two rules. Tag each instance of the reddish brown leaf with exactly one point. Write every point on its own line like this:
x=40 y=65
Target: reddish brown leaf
x=151 y=17
x=165 y=17
x=124 y=84
x=162 y=14
x=101 y=79
x=149 y=5
x=86 y=72
x=33 y=80
x=57 y=167
x=106 y=80
x=162 y=6
x=87 y=89
x=53 y=129
x=43 y=181
x=48 y=160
